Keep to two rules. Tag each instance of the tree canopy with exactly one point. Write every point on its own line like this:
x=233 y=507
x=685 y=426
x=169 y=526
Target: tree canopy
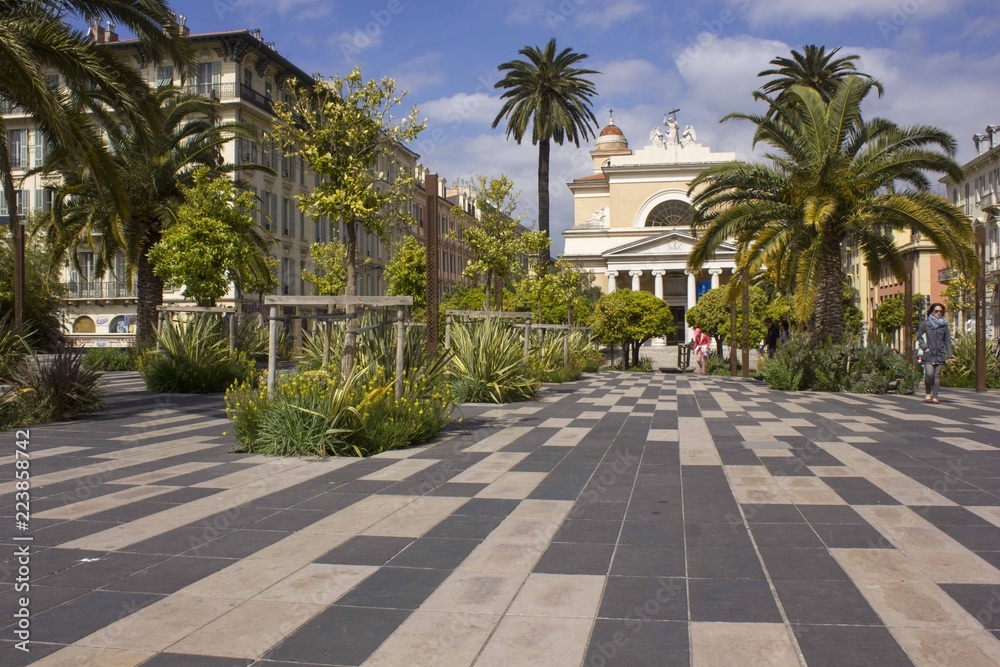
x=630 y=319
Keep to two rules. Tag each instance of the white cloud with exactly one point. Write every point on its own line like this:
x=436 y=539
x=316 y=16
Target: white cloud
x=419 y=72
x=629 y=77
x=896 y=12
x=604 y=15
x=581 y=13
x=462 y=109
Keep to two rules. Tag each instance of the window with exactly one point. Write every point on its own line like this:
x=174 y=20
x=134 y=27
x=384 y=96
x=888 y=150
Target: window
x=284 y=275
x=671 y=213
x=43 y=200
x=302 y=282
x=248 y=78
x=302 y=171
x=268 y=90
x=165 y=76
x=265 y=209
x=18 y=144
x=284 y=215
x=41 y=148
x=209 y=79
x=302 y=223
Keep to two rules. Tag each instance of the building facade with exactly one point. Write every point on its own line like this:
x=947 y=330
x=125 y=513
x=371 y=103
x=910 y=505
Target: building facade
x=632 y=218
x=978 y=195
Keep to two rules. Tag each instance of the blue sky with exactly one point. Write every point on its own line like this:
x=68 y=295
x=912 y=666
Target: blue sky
x=937 y=59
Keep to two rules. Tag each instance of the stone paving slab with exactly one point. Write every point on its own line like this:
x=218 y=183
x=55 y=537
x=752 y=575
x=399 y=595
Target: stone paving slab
x=624 y=519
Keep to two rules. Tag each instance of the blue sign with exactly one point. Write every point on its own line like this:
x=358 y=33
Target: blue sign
x=702 y=286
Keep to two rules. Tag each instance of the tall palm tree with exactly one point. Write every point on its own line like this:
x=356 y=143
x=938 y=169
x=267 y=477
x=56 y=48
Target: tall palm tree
x=35 y=42
x=185 y=136
x=814 y=68
x=548 y=93
x=830 y=175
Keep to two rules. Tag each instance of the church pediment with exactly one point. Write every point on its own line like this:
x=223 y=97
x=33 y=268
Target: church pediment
x=672 y=243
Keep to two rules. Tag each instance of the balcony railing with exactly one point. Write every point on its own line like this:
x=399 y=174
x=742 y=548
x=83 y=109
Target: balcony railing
x=259 y=100
x=947 y=274
x=95 y=290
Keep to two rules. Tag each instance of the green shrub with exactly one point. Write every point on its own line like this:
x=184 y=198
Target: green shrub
x=645 y=365
x=876 y=369
x=716 y=365
x=193 y=358
x=13 y=345
x=545 y=362
x=59 y=389
x=488 y=365
x=961 y=372
x=110 y=359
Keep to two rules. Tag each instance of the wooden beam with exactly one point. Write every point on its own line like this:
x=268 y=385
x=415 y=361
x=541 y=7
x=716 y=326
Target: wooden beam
x=483 y=314
x=340 y=301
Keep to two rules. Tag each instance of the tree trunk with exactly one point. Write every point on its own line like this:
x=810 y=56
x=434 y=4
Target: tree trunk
x=149 y=293
x=625 y=348
x=543 y=195
x=351 y=289
x=635 y=352
x=488 y=291
x=17 y=238
x=829 y=305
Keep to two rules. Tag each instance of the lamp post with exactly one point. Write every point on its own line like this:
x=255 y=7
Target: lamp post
x=981 y=307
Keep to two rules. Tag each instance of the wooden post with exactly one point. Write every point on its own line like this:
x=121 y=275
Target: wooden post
x=232 y=331
x=908 y=311
x=566 y=349
x=272 y=351
x=732 y=340
x=400 y=333
x=981 y=308
x=746 y=327
x=447 y=332
x=159 y=325
x=431 y=243
x=327 y=339
x=527 y=339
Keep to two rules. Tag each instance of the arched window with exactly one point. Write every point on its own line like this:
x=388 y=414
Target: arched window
x=672 y=213
x=84 y=325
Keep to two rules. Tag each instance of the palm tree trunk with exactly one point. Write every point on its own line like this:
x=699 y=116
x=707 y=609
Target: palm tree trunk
x=543 y=195
x=16 y=234
x=350 y=337
x=830 y=295
x=149 y=293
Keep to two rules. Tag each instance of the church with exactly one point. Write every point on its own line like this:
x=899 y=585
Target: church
x=632 y=217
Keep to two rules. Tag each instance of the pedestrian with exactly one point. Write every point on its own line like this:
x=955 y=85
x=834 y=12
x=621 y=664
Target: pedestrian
x=935 y=341
x=786 y=331
x=700 y=345
x=771 y=337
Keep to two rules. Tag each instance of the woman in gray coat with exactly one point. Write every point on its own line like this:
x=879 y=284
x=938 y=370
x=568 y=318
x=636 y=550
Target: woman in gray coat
x=935 y=341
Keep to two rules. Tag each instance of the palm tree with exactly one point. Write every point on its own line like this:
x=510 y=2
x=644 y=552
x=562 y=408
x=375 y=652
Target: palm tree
x=34 y=43
x=185 y=136
x=814 y=68
x=830 y=176
x=548 y=93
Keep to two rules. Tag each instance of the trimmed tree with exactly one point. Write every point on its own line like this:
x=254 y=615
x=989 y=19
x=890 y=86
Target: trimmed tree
x=711 y=315
x=630 y=319
x=889 y=317
x=406 y=274
x=330 y=277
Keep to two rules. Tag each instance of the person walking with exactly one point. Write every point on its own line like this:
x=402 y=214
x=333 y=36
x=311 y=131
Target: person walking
x=786 y=331
x=935 y=342
x=700 y=344
x=771 y=337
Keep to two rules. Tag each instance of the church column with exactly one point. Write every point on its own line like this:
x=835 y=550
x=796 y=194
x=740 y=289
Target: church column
x=636 y=274
x=611 y=280
x=715 y=273
x=692 y=298
x=658 y=278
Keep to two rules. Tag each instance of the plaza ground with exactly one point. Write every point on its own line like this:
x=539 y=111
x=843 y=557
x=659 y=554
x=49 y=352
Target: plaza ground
x=625 y=519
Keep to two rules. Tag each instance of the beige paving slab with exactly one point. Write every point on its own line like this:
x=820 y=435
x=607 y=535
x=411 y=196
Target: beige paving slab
x=662 y=435
x=968 y=444
x=878 y=565
x=252 y=474
x=779 y=429
x=499 y=440
x=742 y=644
x=525 y=530
x=898 y=485
x=915 y=604
x=567 y=437
x=542 y=509
x=157 y=450
x=591 y=414
x=360 y=515
x=473 y=592
x=228 y=636
x=301 y=547
x=441 y=639
x=317 y=583
x=165 y=418
x=527 y=640
x=556 y=422
x=513 y=485
x=401 y=470
x=36 y=454
x=907 y=530
x=161 y=624
x=416 y=518
x=490 y=468
x=562 y=595
x=84 y=508
x=89 y=656
x=941 y=648
x=136 y=531
x=954 y=567
x=991 y=514
x=240 y=581
x=809 y=491
x=498 y=556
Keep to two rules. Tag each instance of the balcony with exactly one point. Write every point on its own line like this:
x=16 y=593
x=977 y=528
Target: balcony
x=215 y=91
x=947 y=274
x=99 y=291
x=248 y=94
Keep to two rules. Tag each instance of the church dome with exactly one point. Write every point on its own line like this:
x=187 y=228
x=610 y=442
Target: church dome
x=611 y=138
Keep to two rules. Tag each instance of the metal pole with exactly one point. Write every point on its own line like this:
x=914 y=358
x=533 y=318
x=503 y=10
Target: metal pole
x=981 y=309
x=733 y=370
x=908 y=311
x=399 y=352
x=272 y=351
x=746 y=327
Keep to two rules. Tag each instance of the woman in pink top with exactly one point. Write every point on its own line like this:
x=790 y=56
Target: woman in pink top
x=700 y=345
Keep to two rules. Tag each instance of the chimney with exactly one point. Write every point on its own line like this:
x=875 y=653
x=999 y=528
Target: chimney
x=111 y=36
x=443 y=188
x=97 y=33
x=182 y=24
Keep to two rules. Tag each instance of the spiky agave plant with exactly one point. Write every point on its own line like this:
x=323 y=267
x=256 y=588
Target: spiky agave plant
x=488 y=365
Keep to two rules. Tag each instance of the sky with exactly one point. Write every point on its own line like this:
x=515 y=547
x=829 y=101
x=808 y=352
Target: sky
x=937 y=60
